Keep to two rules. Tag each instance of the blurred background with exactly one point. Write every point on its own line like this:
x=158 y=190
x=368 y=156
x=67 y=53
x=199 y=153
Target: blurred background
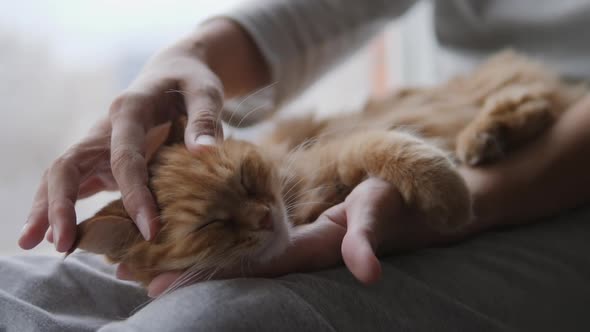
x=62 y=62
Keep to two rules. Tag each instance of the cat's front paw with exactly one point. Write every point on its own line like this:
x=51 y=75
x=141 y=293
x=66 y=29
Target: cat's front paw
x=476 y=147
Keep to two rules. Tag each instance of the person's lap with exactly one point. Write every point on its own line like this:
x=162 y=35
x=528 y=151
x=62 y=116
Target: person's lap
x=530 y=278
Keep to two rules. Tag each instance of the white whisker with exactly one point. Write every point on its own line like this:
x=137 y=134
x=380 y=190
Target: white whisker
x=237 y=110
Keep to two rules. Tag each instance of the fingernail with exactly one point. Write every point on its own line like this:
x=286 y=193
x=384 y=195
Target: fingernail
x=143 y=225
x=205 y=140
x=151 y=293
x=55 y=235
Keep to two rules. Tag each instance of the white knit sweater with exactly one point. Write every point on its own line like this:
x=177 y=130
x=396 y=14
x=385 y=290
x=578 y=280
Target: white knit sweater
x=301 y=39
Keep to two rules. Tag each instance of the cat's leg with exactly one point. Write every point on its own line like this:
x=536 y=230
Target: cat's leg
x=292 y=133
x=508 y=119
x=423 y=174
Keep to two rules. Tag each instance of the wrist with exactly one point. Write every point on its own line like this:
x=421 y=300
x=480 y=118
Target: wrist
x=229 y=52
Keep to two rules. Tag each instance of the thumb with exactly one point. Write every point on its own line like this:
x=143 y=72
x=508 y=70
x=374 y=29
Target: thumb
x=371 y=209
x=204 y=124
x=359 y=245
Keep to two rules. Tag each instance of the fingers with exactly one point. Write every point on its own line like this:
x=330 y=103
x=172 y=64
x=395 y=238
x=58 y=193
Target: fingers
x=129 y=166
x=370 y=208
x=162 y=282
x=358 y=253
x=54 y=201
x=359 y=243
x=317 y=245
x=54 y=204
x=204 y=123
x=62 y=188
x=38 y=220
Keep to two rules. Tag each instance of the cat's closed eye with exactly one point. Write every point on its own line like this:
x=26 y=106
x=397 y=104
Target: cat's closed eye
x=212 y=222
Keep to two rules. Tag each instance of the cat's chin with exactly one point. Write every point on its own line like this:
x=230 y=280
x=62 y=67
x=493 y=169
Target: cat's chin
x=277 y=241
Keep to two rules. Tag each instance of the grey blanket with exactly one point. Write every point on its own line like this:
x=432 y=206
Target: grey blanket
x=534 y=278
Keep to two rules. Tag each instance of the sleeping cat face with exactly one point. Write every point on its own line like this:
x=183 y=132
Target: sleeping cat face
x=224 y=201
x=218 y=207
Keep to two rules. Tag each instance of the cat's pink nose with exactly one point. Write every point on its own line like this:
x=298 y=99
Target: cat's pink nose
x=266 y=223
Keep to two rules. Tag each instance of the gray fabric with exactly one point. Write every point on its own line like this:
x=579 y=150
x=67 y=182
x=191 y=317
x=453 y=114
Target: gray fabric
x=302 y=39
x=551 y=31
x=533 y=278
x=43 y=293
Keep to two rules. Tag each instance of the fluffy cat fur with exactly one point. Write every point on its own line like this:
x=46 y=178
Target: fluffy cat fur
x=238 y=201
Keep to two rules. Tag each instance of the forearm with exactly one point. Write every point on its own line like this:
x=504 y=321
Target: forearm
x=545 y=177
x=300 y=40
x=231 y=54
x=281 y=45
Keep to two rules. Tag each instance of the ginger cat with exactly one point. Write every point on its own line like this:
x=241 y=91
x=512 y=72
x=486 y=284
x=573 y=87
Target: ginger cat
x=239 y=201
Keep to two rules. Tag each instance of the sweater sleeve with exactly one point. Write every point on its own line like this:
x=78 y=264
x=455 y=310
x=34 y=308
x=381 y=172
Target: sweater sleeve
x=301 y=39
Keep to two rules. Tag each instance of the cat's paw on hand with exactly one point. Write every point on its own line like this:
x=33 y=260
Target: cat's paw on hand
x=509 y=119
x=476 y=147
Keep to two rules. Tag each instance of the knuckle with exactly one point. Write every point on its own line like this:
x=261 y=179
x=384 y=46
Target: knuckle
x=129 y=102
x=72 y=153
x=68 y=160
x=60 y=207
x=39 y=203
x=63 y=163
x=204 y=116
x=204 y=120
x=123 y=156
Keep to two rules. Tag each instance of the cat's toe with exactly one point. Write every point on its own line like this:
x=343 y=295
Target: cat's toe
x=481 y=148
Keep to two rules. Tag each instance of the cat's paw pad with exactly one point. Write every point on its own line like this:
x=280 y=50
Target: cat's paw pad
x=480 y=147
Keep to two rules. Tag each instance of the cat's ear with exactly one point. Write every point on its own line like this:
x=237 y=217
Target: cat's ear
x=165 y=134
x=155 y=138
x=110 y=235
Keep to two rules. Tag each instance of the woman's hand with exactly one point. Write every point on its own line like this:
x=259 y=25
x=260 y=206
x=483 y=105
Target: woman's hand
x=116 y=149
x=183 y=79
